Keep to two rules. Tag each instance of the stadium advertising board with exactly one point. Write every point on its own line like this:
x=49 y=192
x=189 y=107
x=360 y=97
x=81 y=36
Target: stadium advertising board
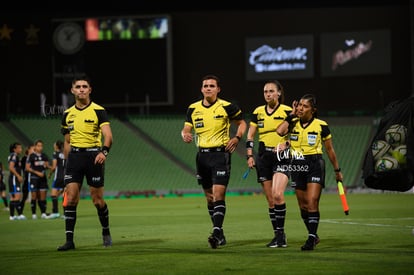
x=279 y=57
x=355 y=53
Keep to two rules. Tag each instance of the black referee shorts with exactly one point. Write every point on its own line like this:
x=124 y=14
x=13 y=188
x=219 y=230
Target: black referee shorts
x=213 y=168
x=310 y=169
x=268 y=163
x=81 y=165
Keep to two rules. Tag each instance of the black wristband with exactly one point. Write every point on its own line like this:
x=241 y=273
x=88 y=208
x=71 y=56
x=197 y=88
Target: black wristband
x=249 y=144
x=337 y=170
x=289 y=118
x=249 y=156
x=239 y=138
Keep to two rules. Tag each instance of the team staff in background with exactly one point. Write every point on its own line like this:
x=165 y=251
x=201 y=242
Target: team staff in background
x=3 y=188
x=307 y=134
x=15 y=181
x=25 y=185
x=57 y=170
x=211 y=118
x=270 y=162
x=88 y=138
x=36 y=165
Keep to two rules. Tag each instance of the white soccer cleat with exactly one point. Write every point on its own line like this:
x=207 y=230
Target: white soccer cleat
x=21 y=217
x=53 y=216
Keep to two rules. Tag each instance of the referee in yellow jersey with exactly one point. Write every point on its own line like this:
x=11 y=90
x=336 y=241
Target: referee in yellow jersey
x=88 y=138
x=210 y=119
x=307 y=136
x=271 y=162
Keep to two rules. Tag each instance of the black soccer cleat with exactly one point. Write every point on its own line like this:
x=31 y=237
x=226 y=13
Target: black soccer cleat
x=222 y=241
x=107 y=240
x=281 y=240
x=67 y=246
x=213 y=241
x=309 y=244
x=272 y=243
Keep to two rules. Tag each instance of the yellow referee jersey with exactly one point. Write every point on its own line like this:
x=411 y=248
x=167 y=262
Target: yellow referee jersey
x=308 y=140
x=211 y=123
x=84 y=125
x=266 y=123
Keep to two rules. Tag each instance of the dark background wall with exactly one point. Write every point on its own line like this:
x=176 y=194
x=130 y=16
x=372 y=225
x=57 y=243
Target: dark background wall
x=212 y=40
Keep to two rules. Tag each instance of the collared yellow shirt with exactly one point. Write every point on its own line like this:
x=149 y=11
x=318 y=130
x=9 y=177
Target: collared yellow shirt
x=308 y=140
x=211 y=123
x=266 y=124
x=84 y=125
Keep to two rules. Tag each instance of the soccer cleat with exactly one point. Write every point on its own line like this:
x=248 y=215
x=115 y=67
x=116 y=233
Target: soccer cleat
x=67 y=246
x=272 y=243
x=34 y=217
x=213 y=241
x=13 y=218
x=53 y=216
x=281 y=240
x=309 y=244
x=21 y=217
x=107 y=240
x=44 y=216
x=222 y=241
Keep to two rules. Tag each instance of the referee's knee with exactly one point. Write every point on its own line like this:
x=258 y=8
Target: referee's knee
x=99 y=204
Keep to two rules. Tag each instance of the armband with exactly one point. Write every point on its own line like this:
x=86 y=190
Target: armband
x=249 y=144
x=289 y=118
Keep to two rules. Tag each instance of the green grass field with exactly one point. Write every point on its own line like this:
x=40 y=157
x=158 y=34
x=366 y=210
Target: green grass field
x=169 y=236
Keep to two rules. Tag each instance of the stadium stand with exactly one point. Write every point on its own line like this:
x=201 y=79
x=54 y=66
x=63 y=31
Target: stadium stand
x=149 y=157
x=351 y=138
x=166 y=130
x=7 y=138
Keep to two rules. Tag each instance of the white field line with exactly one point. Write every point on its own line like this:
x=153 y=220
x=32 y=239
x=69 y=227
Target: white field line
x=341 y=221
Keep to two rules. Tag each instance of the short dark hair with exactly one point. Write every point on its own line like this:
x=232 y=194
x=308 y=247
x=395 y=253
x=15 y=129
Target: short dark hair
x=59 y=144
x=212 y=76
x=83 y=77
x=38 y=141
x=13 y=146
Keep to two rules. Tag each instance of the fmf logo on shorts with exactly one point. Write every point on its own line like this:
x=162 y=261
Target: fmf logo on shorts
x=315 y=179
x=221 y=173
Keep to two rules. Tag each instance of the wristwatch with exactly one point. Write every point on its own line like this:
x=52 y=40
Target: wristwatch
x=105 y=152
